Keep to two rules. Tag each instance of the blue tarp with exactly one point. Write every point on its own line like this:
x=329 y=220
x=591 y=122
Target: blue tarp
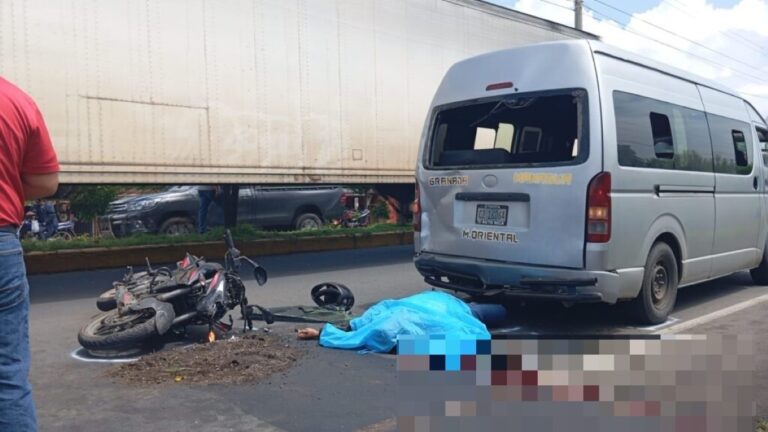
x=429 y=313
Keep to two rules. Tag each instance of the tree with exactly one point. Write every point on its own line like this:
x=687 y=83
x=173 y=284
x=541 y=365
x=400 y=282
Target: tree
x=90 y=202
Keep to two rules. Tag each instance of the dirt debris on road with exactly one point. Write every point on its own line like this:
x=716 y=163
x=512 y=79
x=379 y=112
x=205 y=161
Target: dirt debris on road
x=243 y=359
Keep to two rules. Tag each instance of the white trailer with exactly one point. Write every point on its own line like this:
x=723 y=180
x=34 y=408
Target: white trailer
x=245 y=91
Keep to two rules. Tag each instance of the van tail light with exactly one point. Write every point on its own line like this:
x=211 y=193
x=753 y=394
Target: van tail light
x=417 y=210
x=343 y=199
x=599 y=209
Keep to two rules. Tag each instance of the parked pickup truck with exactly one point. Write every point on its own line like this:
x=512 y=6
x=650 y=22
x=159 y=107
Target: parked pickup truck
x=174 y=211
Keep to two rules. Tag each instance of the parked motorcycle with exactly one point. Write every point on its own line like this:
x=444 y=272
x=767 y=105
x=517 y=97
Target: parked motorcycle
x=64 y=231
x=354 y=218
x=149 y=304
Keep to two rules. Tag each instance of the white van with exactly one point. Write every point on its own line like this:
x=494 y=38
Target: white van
x=578 y=172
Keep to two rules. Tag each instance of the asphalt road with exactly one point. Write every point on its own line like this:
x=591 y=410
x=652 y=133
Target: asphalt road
x=328 y=389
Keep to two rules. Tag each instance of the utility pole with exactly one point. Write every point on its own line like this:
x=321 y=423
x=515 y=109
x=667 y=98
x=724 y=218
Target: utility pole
x=577 y=7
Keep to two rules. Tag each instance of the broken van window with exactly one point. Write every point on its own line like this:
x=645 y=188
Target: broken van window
x=519 y=129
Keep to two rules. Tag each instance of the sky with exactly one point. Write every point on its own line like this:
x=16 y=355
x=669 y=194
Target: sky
x=723 y=40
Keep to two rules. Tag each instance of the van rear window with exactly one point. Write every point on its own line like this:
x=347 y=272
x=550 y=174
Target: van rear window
x=543 y=128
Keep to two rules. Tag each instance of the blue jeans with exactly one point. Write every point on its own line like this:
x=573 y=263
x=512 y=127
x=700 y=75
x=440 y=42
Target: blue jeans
x=206 y=198
x=17 y=408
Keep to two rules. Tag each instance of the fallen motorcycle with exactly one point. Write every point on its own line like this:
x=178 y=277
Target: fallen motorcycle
x=149 y=304
x=152 y=280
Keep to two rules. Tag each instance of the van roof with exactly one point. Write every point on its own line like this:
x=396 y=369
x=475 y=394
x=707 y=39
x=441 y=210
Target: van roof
x=612 y=51
x=603 y=48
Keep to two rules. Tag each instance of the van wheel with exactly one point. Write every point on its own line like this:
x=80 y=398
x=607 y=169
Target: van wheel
x=760 y=274
x=308 y=221
x=177 y=226
x=659 y=291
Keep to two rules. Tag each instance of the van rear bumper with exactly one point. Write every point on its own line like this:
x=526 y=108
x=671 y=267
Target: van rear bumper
x=482 y=277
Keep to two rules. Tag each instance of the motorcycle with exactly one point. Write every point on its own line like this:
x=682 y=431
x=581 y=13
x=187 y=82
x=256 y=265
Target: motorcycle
x=64 y=231
x=354 y=218
x=150 y=304
x=150 y=280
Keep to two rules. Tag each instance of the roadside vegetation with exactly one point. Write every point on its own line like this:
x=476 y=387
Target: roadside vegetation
x=762 y=426
x=240 y=233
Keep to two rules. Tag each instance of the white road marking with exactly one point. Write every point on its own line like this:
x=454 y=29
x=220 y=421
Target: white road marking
x=76 y=355
x=667 y=323
x=686 y=325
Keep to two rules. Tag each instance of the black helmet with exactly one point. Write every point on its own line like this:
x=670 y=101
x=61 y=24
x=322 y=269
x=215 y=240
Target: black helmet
x=333 y=295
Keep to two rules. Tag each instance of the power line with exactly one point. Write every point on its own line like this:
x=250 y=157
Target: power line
x=556 y=4
x=752 y=77
x=728 y=33
x=676 y=34
x=755 y=95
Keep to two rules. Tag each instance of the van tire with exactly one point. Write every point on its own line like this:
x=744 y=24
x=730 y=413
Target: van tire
x=659 y=290
x=760 y=273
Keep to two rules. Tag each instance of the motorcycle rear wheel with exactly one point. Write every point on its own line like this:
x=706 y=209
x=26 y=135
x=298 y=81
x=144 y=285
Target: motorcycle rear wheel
x=111 y=331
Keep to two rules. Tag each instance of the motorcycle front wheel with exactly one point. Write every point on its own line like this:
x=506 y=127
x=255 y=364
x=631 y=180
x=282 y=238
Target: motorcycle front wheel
x=112 y=331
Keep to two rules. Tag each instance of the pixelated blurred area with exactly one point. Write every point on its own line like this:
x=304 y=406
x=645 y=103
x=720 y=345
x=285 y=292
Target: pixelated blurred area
x=677 y=383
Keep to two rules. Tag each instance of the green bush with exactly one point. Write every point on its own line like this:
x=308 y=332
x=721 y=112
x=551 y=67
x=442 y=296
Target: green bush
x=89 y=202
x=380 y=211
x=240 y=233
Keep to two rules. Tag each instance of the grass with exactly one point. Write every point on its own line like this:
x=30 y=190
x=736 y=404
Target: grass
x=762 y=426
x=240 y=233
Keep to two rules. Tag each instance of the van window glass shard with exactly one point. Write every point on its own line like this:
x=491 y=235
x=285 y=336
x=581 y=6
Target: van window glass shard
x=522 y=129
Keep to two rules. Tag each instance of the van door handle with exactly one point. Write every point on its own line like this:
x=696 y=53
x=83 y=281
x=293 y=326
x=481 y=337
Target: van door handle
x=754 y=183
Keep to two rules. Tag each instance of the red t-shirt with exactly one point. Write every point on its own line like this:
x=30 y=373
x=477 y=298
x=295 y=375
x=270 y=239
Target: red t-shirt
x=25 y=148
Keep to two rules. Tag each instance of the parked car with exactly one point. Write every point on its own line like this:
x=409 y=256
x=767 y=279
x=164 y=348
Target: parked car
x=174 y=211
x=615 y=178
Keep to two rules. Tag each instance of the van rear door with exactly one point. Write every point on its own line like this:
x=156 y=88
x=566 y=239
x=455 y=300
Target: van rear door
x=506 y=179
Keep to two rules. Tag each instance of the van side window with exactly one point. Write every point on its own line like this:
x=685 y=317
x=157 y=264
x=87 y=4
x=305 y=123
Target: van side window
x=655 y=134
x=740 y=147
x=531 y=140
x=729 y=145
x=505 y=136
x=663 y=145
x=762 y=137
x=484 y=138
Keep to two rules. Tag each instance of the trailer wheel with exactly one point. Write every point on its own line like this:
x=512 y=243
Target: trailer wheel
x=308 y=221
x=177 y=226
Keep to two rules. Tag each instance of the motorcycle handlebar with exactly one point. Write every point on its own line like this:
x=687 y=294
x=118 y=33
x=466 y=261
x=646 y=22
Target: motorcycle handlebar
x=228 y=240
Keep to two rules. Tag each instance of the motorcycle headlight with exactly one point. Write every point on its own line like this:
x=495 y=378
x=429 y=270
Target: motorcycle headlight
x=141 y=205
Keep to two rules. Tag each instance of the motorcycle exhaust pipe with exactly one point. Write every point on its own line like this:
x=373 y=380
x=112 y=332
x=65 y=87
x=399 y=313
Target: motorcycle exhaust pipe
x=173 y=294
x=187 y=316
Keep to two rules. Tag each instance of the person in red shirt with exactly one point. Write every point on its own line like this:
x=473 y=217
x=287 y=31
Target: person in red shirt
x=28 y=170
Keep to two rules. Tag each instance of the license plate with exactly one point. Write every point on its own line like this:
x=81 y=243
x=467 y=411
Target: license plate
x=493 y=215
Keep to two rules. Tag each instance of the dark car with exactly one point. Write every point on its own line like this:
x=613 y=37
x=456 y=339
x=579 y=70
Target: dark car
x=174 y=211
